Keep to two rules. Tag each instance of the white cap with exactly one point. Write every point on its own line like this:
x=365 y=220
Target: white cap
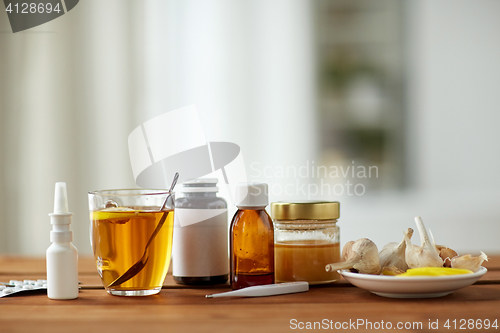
x=201 y=181
x=251 y=195
x=200 y=185
x=61 y=199
x=61 y=217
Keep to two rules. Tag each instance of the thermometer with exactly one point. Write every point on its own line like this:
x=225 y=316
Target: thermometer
x=266 y=290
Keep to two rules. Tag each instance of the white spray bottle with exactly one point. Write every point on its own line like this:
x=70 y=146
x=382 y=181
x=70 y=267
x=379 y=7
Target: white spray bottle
x=62 y=255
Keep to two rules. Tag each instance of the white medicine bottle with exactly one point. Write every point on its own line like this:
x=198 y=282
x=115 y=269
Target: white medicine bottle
x=62 y=255
x=200 y=242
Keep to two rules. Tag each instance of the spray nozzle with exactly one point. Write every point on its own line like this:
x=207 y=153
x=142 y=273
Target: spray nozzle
x=61 y=217
x=61 y=199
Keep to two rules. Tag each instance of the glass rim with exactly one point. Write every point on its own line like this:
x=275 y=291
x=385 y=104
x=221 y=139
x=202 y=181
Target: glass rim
x=131 y=192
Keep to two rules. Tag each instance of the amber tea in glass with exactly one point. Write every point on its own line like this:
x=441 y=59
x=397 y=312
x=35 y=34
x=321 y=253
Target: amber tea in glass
x=122 y=224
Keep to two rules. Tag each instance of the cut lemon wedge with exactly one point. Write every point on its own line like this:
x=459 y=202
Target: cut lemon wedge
x=434 y=271
x=120 y=214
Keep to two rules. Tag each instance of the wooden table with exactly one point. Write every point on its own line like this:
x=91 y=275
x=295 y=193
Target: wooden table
x=182 y=309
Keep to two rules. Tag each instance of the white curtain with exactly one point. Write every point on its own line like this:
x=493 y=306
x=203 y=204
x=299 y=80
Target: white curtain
x=72 y=90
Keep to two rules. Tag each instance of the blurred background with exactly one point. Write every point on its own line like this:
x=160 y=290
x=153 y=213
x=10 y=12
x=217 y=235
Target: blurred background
x=314 y=92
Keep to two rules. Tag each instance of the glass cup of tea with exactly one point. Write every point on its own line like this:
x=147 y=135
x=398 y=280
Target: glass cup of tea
x=131 y=235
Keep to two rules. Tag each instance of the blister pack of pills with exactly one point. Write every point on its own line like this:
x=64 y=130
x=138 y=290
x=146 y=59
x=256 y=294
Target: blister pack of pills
x=15 y=286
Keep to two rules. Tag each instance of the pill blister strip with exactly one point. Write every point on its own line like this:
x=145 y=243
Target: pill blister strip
x=15 y=286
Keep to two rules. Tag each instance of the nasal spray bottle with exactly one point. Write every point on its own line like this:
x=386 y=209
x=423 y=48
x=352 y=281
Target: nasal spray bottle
x=62 y=255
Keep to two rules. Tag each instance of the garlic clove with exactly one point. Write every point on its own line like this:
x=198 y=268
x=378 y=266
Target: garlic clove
x=393 y=254
x=362 y=255
x=446 y=254
x=469 y=262
x=422 y=256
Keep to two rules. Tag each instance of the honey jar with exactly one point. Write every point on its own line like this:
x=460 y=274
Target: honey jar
x=307 y=238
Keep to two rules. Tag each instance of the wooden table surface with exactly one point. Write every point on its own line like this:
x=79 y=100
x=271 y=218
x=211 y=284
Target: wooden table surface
x=185 y=309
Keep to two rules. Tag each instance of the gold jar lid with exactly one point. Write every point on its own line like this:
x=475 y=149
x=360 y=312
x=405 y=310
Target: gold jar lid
x=313 y=210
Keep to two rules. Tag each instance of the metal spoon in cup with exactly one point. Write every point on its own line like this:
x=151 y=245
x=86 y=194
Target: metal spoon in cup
x=139 y=265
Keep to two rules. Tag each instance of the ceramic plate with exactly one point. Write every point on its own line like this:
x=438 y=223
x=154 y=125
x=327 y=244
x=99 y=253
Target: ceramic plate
x=412 y=287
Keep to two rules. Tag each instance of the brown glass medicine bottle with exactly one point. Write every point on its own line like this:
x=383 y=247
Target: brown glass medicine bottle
x=251 y=238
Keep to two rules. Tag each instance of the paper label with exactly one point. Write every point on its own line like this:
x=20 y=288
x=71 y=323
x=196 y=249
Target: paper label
x=200 y=245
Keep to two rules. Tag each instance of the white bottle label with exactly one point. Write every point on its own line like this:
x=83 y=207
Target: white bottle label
x=200 y=245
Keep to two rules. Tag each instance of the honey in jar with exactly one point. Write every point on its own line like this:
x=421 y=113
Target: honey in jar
x=306 y=240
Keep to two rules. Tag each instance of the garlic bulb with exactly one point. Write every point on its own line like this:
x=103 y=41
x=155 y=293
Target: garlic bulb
x=421 y=256
x=361 y=255
x=347 y=250
x=393 y=254
x=469 y=262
